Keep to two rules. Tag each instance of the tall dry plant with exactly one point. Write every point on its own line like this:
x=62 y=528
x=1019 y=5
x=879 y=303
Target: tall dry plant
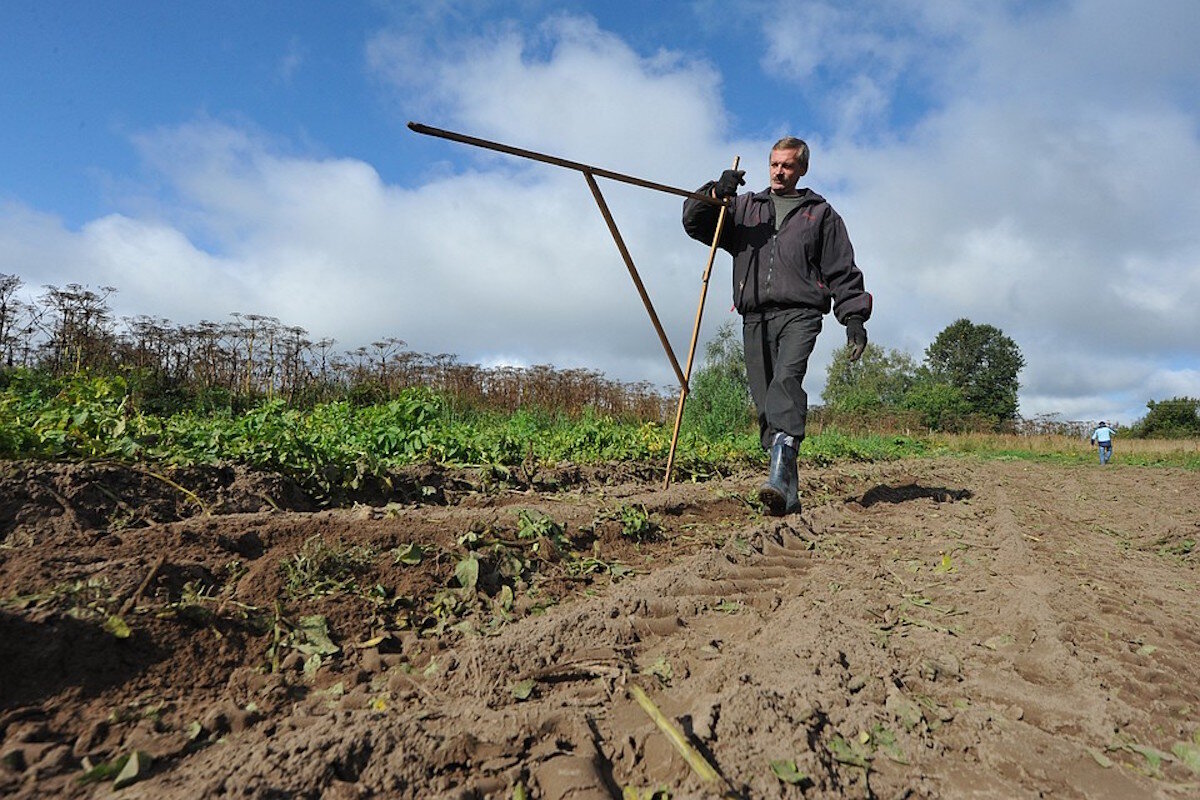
x=251 y=356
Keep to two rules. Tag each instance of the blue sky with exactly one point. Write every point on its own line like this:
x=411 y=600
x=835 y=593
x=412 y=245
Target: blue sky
x=1030 y=165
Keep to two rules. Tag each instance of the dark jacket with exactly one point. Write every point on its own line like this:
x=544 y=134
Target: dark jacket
x=810 y=262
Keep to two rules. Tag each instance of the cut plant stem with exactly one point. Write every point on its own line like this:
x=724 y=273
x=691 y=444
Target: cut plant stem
x=128 y=605
x=690 y=754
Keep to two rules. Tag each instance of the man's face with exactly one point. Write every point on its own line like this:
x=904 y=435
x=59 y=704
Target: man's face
x=785 y=171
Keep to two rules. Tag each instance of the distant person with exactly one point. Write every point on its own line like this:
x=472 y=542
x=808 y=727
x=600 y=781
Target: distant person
x=1102 y=438
x=792 y=263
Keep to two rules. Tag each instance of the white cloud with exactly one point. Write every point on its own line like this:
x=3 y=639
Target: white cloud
x=568 y=88
x=1048 y=188
x=502 y=258
x=1043 y=182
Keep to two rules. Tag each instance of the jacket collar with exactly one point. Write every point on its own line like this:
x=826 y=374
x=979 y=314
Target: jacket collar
x=807 y=196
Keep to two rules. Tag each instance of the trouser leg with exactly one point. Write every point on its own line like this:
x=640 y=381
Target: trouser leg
x=777 y=351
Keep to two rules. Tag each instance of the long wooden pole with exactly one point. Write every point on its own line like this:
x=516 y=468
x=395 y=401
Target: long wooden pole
x=633 y=273
x=687 y=373
x=590 y=173
x=417 y=127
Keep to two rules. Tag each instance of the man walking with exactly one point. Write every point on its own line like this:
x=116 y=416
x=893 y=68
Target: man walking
x=792 y=263
x=1102 y=438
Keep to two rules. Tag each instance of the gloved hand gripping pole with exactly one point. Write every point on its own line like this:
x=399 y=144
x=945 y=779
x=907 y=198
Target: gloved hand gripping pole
x=687 y=373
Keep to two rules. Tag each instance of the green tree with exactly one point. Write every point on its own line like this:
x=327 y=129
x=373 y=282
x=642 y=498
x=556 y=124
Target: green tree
x=879 y=379
x=982 y=363
x=939 y=404
x=719 y=403
x=1177 y=418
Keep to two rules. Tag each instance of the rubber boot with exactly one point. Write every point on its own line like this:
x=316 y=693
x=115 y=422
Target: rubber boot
x=780 y=492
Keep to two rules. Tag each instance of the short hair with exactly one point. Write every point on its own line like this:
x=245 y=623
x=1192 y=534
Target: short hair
x=792 y=143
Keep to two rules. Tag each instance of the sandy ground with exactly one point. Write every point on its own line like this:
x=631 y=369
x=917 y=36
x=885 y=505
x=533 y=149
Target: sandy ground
x=932 y=628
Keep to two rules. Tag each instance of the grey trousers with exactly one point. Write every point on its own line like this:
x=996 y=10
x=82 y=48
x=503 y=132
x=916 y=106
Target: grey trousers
x=777 y=346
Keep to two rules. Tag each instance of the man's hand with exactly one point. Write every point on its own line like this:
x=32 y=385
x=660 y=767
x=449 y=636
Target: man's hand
x=856 y=337
x=727 y=185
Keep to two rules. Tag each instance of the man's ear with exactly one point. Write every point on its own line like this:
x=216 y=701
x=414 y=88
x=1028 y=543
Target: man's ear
x=804 y=171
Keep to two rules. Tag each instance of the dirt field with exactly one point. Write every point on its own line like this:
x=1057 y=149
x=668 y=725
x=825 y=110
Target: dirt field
x=935 y=628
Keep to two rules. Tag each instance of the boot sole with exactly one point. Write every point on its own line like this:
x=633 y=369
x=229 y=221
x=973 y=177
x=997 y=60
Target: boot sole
x=775 y=502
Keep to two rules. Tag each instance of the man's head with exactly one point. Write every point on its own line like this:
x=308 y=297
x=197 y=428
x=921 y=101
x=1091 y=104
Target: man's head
x=789 y=163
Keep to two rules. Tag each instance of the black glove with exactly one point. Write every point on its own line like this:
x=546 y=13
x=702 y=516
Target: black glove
x=856 y=337
x=727 y=185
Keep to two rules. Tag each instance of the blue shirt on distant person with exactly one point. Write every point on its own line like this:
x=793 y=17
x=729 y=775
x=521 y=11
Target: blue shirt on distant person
x=1102 y=437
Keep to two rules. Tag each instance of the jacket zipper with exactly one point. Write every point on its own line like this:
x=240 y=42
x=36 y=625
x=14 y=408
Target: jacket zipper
x=774 y=247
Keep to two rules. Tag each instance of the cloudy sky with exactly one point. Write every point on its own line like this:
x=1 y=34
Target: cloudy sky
x=1030 y=165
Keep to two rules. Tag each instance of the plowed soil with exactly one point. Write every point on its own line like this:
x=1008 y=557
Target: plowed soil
x=933 y=628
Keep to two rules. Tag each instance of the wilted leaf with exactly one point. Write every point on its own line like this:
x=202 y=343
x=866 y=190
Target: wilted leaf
x=996 y=642
x=1146 y=650
x=787 y=771
x=905 y=710
x=885 y=740
x=104 y=770
x=410 y=555
x=314 y=630
x=844 y=753
x=467 y=572
x=523 y=690
x=619 y=570
x=312 y=665
x=661 y=669
x=333 y=692
x=136 y=767
x=117 y=627
x=505 y=598
x=1154 y=757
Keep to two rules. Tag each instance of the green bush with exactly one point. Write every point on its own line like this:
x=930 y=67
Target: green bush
x=1177 y=418
x=718 y=403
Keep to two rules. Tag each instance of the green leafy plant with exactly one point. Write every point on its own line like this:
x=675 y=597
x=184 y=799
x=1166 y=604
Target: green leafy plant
x=540 y=528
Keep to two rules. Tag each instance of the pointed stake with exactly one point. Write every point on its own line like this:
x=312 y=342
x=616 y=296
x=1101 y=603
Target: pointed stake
x=687 y=372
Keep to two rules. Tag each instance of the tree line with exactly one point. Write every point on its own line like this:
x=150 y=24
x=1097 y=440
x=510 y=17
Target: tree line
x=968 y=381
x=72 y=329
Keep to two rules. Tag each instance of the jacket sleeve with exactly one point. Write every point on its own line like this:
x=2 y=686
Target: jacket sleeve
x=842 y=276
x=700 y=218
